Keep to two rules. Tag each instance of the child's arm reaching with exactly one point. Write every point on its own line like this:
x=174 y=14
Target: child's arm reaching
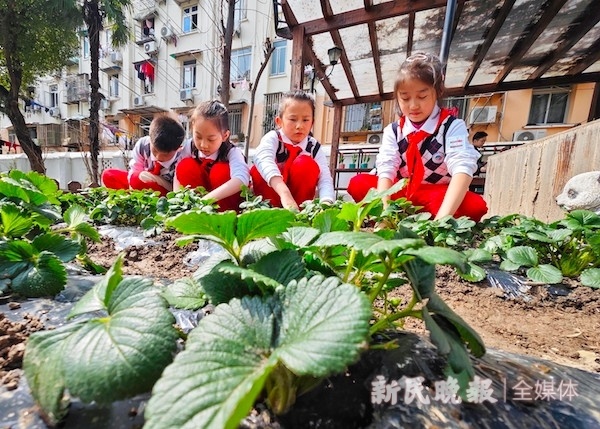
x=239 y=173
x=455 y=194
x=287 y=200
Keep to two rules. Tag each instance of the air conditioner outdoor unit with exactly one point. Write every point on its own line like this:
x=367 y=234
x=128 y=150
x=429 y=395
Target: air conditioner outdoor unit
x=166 y=32
x=54 y=112
x=138 y=101
x=186 y=94
x=150 y=47
x=374 y=138
x=116 y=57
x=528 y=135
x=483 y=115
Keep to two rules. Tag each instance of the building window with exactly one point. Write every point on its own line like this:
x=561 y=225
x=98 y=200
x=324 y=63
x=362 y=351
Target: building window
x=235 y=120
x=549 y=106
x=363 y=117
x=53 y=96
x=188 y=75
x=278 y=58
x=114 y=86
x=148 y=29
x=271 y=109
x=240 y=64
x=240 y=12
x=190 y=19
x=458 y=104
x=86 y=47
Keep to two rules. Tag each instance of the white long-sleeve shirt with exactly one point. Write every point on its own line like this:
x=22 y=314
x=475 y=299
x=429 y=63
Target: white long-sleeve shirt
x=266 y=164
x=441 y=159
x=143 y=160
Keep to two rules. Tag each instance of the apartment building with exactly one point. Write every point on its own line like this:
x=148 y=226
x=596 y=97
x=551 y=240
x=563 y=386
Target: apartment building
x=173 y=61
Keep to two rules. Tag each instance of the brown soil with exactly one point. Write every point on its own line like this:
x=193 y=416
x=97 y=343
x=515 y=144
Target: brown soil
x=565 y=330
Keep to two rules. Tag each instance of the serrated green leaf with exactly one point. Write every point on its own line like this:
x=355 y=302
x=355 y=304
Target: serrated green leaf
x=438 y=336
x=185 y=293
x=283 y=266
x=43 y=368
x=228 y=357
x=74 y=215
x=539 y=236
x=14 y=223
x=474 y=273
x=64 y=248
x=545 y=274
x=224 y=283
x=45 y=276
x=507 y=265
x=216 y=379
x=86 y=230
x=421 y=276
x=329 y=220
x=300 y=236
x=12 y=189
x=97 y=298
x=324 y=326
x=219 y=227
x=580 y=219
x=523 y=255
x=257 y=224
x=479 y=255
x=591 y=278
x=40 y=183
x=440 y=255
x=121 y=355
x=207 y=266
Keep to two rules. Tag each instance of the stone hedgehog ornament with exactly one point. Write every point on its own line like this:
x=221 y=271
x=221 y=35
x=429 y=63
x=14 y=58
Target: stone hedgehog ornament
x=581 y=192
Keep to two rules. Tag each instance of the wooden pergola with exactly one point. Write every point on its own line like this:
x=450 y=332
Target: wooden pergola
x=488 y=45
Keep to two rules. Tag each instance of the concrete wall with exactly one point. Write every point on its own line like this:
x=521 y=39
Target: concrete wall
x=528 y=178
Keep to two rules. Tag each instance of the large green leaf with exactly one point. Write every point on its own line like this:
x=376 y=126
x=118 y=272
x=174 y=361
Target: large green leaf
x=441 y=255
x=324 y=326
x=591 y=278
x=523 y=255
x=219 y=227
x=297 y=236
x=64 y=248
x=45 y=276
x=14 y=223
x=38 y=183
x=186 y=293
x=421 y=276
x=225 y=282
x=329 y=220
x=474 y=273
x=75 y=217
x=582 y=219
x=282 y=266
x=123 y=354
x=97 y=298
x=257 y=224
x=314 y=327
x=545 y=273
x=44 y=370
x=214 y=382
x=12 y=189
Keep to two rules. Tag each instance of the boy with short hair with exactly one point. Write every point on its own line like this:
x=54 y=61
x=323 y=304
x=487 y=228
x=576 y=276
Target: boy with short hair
x=154 y=159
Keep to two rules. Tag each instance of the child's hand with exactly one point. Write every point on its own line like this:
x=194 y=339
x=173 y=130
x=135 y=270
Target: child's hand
x=147 y=177
x=288 y=202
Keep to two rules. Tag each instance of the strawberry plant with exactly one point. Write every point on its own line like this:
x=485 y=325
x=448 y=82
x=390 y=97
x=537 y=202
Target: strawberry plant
x=120 y=344
x=32 y=254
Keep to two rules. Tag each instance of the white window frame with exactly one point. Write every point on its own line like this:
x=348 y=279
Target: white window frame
x=113 y=87
x=53 y=95
x=554 y=95
x=461 y=102
x=241 y=12
x=85 y=47
x=278 y=58
x=188 y=74
x=239 y=71
x=189 y=21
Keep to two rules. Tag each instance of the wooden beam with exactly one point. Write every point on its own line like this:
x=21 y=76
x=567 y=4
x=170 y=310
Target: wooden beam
x=591 y=56
x=297 y=72
x=337 y=40
x=374 y=13
x=588 y=19
x=288 y=13
x=376 y=58
x=489 y=39
x=319 y=71
x=326 y=9
x=411 y=31
x=523 y=44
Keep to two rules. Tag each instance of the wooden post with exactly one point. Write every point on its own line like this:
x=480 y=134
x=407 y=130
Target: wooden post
x=335 y=136
x=297 y=73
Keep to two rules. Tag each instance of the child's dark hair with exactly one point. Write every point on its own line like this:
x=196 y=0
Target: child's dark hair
x=166 y=133
x=479 y=135
x=425 y=67
x=216 y=112
x=290 y=96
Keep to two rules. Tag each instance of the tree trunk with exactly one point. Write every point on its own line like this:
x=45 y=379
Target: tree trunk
x=268 y=50
x=93 y=21
x=33 y=151
x=226 y=59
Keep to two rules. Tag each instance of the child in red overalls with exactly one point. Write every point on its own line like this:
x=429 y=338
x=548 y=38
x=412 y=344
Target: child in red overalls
x=153 y=161
x=288 y=165
x=210 y=160
x=427 y=145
